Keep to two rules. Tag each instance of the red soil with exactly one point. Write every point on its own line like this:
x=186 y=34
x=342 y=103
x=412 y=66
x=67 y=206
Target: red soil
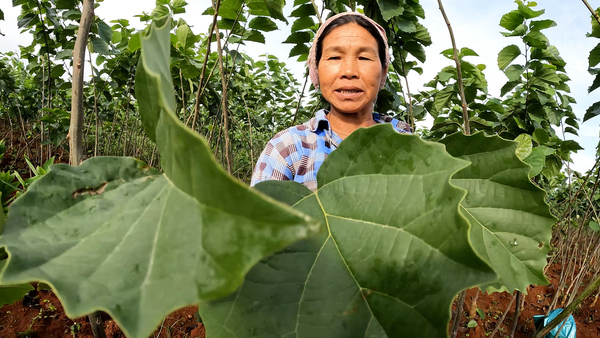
x=44 y=317
x=537 y=301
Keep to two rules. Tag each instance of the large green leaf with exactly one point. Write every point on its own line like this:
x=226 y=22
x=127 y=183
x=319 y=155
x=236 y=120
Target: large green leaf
x=395 y=253
x=275 y=8
x=507 y=55
x=541 y=24
x=120 y=237
x=537 y=159
x=524 y=147
x=443 y=97
x=263 y=23
x=511 y=20
x=390 y=8
x=536 y=39
x=513 y=72
x=592 y=111
x=105 y=31
x=511 y=225
x=12 y=293
x=594 y=57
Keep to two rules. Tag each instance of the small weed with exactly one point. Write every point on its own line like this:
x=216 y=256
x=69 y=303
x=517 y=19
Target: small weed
x=75 y=328
x=26 y=334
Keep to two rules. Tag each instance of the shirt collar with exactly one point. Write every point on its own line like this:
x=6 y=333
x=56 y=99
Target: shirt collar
x=320 y=122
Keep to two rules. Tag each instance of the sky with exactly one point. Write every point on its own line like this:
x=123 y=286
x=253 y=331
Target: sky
x=475 y=24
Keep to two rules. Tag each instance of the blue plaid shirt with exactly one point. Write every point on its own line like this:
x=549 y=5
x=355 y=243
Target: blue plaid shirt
x=298 y=152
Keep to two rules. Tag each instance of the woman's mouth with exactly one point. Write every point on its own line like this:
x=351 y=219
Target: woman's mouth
x=349 y=91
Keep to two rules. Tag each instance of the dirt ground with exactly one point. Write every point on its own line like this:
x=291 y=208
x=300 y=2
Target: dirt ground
x=41 y=315
x=536 y=302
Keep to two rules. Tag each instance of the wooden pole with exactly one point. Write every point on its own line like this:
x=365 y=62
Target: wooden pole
x=77 y=116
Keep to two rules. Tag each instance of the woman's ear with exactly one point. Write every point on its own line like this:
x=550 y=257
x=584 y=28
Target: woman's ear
x=384 y=71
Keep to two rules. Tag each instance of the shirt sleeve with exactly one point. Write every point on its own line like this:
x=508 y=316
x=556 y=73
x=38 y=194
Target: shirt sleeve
x=272 y=164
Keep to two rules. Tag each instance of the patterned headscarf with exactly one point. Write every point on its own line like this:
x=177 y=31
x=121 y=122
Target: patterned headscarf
x=312 y=55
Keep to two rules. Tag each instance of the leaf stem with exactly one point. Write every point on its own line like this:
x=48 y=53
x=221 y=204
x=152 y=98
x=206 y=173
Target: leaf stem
x=300 y=100
x=317 y=11
x=594 y=13
x=458 y=71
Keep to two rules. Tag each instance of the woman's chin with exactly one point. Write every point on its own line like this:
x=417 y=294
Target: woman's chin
x=352 y=109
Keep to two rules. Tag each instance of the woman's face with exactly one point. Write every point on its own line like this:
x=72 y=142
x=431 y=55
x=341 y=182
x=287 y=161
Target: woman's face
x=350 y=70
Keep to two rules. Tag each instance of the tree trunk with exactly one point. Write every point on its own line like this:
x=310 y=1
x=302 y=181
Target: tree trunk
x=228 y=159
x=97 y=325
x=76 y=128
x=77 y=117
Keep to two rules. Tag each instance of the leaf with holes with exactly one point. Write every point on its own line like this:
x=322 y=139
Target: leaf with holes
x=122 y=238
x=395 y=253
x=511 y=225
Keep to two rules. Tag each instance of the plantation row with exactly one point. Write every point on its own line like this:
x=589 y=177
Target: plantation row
x=398 y=226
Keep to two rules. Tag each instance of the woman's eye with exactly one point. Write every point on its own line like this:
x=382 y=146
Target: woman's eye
x=364 y=58
x=334 y=58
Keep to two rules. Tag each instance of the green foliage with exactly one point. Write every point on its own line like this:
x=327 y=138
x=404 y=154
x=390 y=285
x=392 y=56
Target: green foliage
x=138 y=216
x=594 y=59
x=507 y=55
x=539 y=85
x=291 y=291
x=10 y=294
x=510 y=233
x=395 y=253
x=443 y=101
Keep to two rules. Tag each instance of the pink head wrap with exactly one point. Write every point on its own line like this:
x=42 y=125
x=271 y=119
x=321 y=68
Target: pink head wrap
x=312 y=54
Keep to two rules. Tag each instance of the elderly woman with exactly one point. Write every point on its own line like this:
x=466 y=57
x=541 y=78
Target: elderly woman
x=348 y=61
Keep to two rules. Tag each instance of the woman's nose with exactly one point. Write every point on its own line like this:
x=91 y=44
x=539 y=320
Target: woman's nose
x=349 y=69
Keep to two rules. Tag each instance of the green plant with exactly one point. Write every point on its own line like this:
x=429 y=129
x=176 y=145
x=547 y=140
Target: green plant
x=75 y=328
x=38 y=172
x=109 y=218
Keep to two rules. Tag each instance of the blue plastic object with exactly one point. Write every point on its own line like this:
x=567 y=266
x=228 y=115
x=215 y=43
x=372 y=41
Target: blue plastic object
x=569 y=329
